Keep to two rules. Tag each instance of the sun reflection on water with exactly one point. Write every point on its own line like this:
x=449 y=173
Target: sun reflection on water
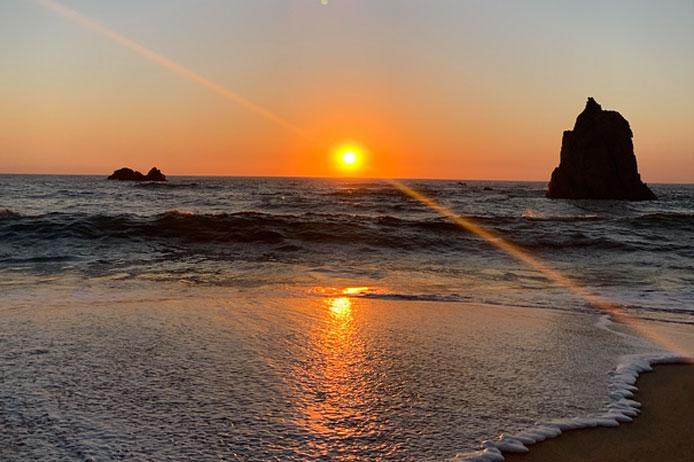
x=340 y=307
x=337 y=379
x=355 y=290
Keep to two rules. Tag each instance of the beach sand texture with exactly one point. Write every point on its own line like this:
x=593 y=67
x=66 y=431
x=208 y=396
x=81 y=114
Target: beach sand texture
x=664 y=431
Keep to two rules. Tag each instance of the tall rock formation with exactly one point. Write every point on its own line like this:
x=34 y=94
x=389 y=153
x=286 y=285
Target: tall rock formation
x=597 y=159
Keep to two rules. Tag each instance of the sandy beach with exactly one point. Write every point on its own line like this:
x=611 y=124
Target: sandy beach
x=663 y=431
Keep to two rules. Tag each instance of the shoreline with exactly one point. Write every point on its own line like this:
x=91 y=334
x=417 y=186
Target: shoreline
x=662 y=431
x=653 y=421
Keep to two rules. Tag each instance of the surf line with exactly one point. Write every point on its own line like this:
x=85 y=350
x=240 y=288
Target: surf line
x=466 y=224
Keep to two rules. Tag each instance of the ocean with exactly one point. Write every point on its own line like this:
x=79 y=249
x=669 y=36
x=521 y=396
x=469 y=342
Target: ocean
x=317 y=319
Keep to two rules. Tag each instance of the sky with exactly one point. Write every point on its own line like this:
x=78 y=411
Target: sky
x=467 y=89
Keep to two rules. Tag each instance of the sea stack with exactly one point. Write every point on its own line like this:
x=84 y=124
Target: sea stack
x=128 y=174
x=597 y=159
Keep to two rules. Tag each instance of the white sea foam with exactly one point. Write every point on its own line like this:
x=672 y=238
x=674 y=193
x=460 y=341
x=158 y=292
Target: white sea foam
x=622 y=408
x=605 y=322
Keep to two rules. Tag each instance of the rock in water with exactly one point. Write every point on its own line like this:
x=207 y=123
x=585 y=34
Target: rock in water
x=128 y=174
x=155 y=174
x=597 y=159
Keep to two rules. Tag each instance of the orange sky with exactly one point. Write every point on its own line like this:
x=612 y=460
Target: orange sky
x=443 y=90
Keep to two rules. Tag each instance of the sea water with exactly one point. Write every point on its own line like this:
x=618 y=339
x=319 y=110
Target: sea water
x=309 y=319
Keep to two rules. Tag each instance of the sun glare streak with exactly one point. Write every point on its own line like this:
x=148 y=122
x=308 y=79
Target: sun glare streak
x=171 y=65
x=551 y=274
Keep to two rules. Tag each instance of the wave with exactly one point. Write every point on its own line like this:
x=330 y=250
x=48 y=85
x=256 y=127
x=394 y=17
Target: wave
x=535 y=215
x=550 y=242
x=290 y=230
x=167 y=185
x=7 y=213
x=638 y=220
x=376 y=193
x=175 y=185
x=36 y=259
x=416 y=297
x=638 y=311
x=668 y=219
x=240 y=227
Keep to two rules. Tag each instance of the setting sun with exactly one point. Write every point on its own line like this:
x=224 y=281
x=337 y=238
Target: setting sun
x=349 y=157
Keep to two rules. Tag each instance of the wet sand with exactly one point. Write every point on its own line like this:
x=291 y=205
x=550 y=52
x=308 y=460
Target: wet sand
x=663 y=431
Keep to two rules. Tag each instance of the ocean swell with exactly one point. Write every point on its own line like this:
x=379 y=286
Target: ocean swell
x=240 y=227
x=319 y=229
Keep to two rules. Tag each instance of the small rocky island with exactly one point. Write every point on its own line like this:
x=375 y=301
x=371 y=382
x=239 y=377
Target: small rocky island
x=597 y=159
x=128 y=174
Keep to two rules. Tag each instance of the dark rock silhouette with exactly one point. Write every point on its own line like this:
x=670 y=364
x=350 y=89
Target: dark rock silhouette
x=597 y=159
x=155 y=174
x=128 y=174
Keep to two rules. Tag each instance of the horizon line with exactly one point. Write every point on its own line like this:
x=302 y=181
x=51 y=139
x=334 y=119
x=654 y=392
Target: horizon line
x=335 y=177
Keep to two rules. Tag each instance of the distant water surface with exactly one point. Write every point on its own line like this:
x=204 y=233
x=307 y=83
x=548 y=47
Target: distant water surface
x=301 y=233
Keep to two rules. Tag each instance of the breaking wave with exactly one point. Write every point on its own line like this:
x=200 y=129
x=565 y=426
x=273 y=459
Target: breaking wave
x=386 y=231
x=682 y=220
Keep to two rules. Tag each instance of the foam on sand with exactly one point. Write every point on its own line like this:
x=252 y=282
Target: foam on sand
x=622 y=408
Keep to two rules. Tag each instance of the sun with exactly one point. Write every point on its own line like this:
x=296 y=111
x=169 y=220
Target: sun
x=349 y=157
